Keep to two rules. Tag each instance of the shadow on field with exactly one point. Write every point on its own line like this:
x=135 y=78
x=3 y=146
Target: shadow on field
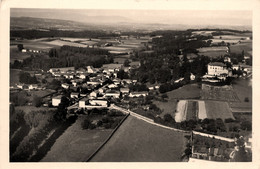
x=43 y=150
x=14 y=143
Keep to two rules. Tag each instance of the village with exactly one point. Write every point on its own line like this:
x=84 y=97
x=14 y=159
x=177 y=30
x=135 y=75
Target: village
x=99 y=90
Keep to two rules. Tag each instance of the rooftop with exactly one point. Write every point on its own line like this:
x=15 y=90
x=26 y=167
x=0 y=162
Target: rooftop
x=217 y=64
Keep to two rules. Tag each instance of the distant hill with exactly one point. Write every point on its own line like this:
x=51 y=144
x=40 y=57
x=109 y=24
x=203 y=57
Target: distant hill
x=107 y=23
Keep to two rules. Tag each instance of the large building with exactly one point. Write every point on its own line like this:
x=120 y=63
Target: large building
x=217 y=69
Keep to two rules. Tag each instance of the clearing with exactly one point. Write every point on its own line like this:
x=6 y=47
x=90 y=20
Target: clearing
x=139 y=141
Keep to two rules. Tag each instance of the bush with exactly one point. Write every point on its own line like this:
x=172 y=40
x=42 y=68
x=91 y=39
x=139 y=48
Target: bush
x=246 y=99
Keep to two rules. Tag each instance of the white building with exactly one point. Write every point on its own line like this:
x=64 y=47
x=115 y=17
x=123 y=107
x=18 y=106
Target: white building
x=217 y=68
x=93 y=94
x=98 y=102
x=32 y=86
x=56 y=100
x=114 y=94
x=65 y=85
x=138 y=94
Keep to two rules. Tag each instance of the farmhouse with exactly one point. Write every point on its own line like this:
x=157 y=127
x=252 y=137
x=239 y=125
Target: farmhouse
x=56 y=100
x=217 y=68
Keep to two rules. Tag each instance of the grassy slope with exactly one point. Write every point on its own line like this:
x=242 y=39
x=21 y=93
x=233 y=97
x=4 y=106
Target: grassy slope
x=76 y=144
x=139 y=141
x=14 y=76
x=243 y=89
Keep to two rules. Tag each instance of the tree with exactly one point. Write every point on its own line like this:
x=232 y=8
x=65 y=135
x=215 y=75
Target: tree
x=20 y=47
x=126 y=63
x=61 y=111
x=168 y=118
x=37 y=101
x=246 y=125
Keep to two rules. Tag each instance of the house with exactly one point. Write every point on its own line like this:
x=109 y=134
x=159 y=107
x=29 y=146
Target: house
x=65 y=85
x=56 y=100
x=74 y=95
x=91 y=69
x=33 y=86
x=62 y=70
x=101 y=90
x=112 y=67
x=83 y=102
x=227 y=59
x=179 y=80
x=98 y=102
x=112 y=93
x=83 y=75
x=20 y=86
x=236 y=67
x=81 y=70
x=124 y=90
x=217 y=68
x=192 y=76
x=138 y=94
x=93 y=94
x=68 y=75
x=112 y=86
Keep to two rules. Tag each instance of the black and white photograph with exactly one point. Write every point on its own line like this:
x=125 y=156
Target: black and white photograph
x=130 y=85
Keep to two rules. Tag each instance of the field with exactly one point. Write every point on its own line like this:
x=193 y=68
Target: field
x=139 y=141
x=190 y=91
x=196 y=109
x=217 y=109
x=17 y=55
x=243 y=89
x=192 y=110
x=14 y=76
x=221 y=93
x=238 y=48
x=213 y=51
x=76 y=144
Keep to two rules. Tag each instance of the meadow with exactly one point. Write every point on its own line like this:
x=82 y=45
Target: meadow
x=139 y=141
x=76 y=144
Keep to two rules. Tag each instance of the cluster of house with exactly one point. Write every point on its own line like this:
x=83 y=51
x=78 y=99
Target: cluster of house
x=31 y=50
x=27 y=86
x=218 y=71
x=100 y=91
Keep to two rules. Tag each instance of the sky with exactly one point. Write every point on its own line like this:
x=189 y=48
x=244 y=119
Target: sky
x=189 y=17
